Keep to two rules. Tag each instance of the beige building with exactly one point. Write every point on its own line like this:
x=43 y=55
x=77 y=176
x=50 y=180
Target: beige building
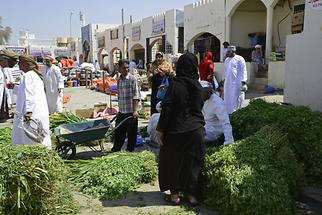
x=304 y=61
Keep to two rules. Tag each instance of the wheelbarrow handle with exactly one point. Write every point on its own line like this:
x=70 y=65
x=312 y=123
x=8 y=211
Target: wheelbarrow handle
x=119 y=125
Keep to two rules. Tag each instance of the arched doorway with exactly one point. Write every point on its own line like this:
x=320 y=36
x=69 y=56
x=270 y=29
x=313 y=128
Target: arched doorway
x=102 y=54
x=203 y=43
x=116 y=56
x=248 y=27
x=156 y=46
x=137 y=52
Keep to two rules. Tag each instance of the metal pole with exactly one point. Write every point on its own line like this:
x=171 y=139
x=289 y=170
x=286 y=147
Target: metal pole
x=70 y=23
x=123 y=34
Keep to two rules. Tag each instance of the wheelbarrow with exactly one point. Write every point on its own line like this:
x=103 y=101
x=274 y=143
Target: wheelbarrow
x=70 y=135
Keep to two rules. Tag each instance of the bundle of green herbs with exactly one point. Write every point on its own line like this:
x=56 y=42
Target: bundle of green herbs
x=113 y=175
x=33 y=181
x=257 y=175
x=302 y=126
x=63 y=118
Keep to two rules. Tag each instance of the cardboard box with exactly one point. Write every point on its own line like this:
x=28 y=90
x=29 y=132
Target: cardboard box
x=86 y=113
x=98 y=107
x=298 y=19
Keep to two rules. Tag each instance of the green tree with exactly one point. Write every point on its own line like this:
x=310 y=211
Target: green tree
x=5 y=33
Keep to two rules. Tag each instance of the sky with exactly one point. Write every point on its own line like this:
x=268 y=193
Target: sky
x=48 y=19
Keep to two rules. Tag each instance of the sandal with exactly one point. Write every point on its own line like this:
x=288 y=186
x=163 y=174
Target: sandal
x=173 y=199
x=192 y=200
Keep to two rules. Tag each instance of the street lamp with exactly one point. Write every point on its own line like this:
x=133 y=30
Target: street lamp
x=70 y=23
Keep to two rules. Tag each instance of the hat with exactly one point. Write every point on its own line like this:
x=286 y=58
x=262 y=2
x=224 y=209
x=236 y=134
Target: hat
x=258 y=47
x=206 y=85
x=28 y=59
x=8 y=55
x=49 y=58
x=231 y=48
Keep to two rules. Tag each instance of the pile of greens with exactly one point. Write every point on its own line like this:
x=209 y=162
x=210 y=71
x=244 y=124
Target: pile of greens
x=58 y=119
x=113 y=175
x=257 y=175
x=33 y=181
x=5 y=136
x=302 y=126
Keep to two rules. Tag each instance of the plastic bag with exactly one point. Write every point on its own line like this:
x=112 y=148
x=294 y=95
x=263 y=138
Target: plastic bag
x=163 y=88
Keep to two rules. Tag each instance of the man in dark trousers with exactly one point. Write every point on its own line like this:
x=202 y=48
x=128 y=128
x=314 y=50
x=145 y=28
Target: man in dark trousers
x=128 y=100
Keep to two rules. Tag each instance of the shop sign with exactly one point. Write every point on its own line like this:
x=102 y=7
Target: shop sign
x=315 y=4
x=158 y=26
x=101 y=42
x=136 y=33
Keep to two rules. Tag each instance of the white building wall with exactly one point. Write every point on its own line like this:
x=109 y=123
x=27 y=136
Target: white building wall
x=280 y=31
x=95 y=29
x=204 y=17
x=134 y=44
x=304 y=62
x=276 y=74
x=240 y=29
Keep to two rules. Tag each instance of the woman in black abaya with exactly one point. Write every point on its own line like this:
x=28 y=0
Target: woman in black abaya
x=180 y=132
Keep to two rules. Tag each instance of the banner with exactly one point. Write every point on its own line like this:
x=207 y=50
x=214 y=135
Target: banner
x=158 y=26
x=136 y=33
x=101 y=42
x=315 y=4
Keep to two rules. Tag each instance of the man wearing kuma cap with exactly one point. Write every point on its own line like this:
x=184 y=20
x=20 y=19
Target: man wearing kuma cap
x=31 y=102
x=234 y=80
x=4 y=109
x=9 y=61
x=216 y=118
x=54 y=84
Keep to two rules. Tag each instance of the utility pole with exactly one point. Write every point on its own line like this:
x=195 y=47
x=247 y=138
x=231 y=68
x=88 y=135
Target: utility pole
x=70 y=23
x=123 y=34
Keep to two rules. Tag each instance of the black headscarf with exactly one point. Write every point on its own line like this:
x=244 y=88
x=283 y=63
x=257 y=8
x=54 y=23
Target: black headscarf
x=187 y=70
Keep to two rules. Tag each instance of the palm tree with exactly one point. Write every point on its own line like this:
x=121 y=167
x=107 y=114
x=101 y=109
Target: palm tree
x=5 y=33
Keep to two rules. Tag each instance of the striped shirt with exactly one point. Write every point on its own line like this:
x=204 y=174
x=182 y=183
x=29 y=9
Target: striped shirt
x=128 y=90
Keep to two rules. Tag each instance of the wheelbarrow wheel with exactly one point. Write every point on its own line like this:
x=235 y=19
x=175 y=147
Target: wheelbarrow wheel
x=66 y=150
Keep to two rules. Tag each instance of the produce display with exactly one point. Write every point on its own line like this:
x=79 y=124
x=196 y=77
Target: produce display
x=33 y=181
x=302 y=126
x=63 y=118
x=113 y=175
x=257 y=175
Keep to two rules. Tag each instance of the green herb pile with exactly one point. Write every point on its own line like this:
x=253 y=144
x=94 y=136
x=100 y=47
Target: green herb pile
x=302 y=126
x=113 y=175
x=5 y=136
x=64 y=118
x=257 y=175
x=33 y=181
x=144 y=131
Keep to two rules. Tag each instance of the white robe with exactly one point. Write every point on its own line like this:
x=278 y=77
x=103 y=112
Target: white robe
x=234 y=73
x=53 y=81
x=9 y=78
x=31 y=98
x=216 y=120
x=2 y=84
